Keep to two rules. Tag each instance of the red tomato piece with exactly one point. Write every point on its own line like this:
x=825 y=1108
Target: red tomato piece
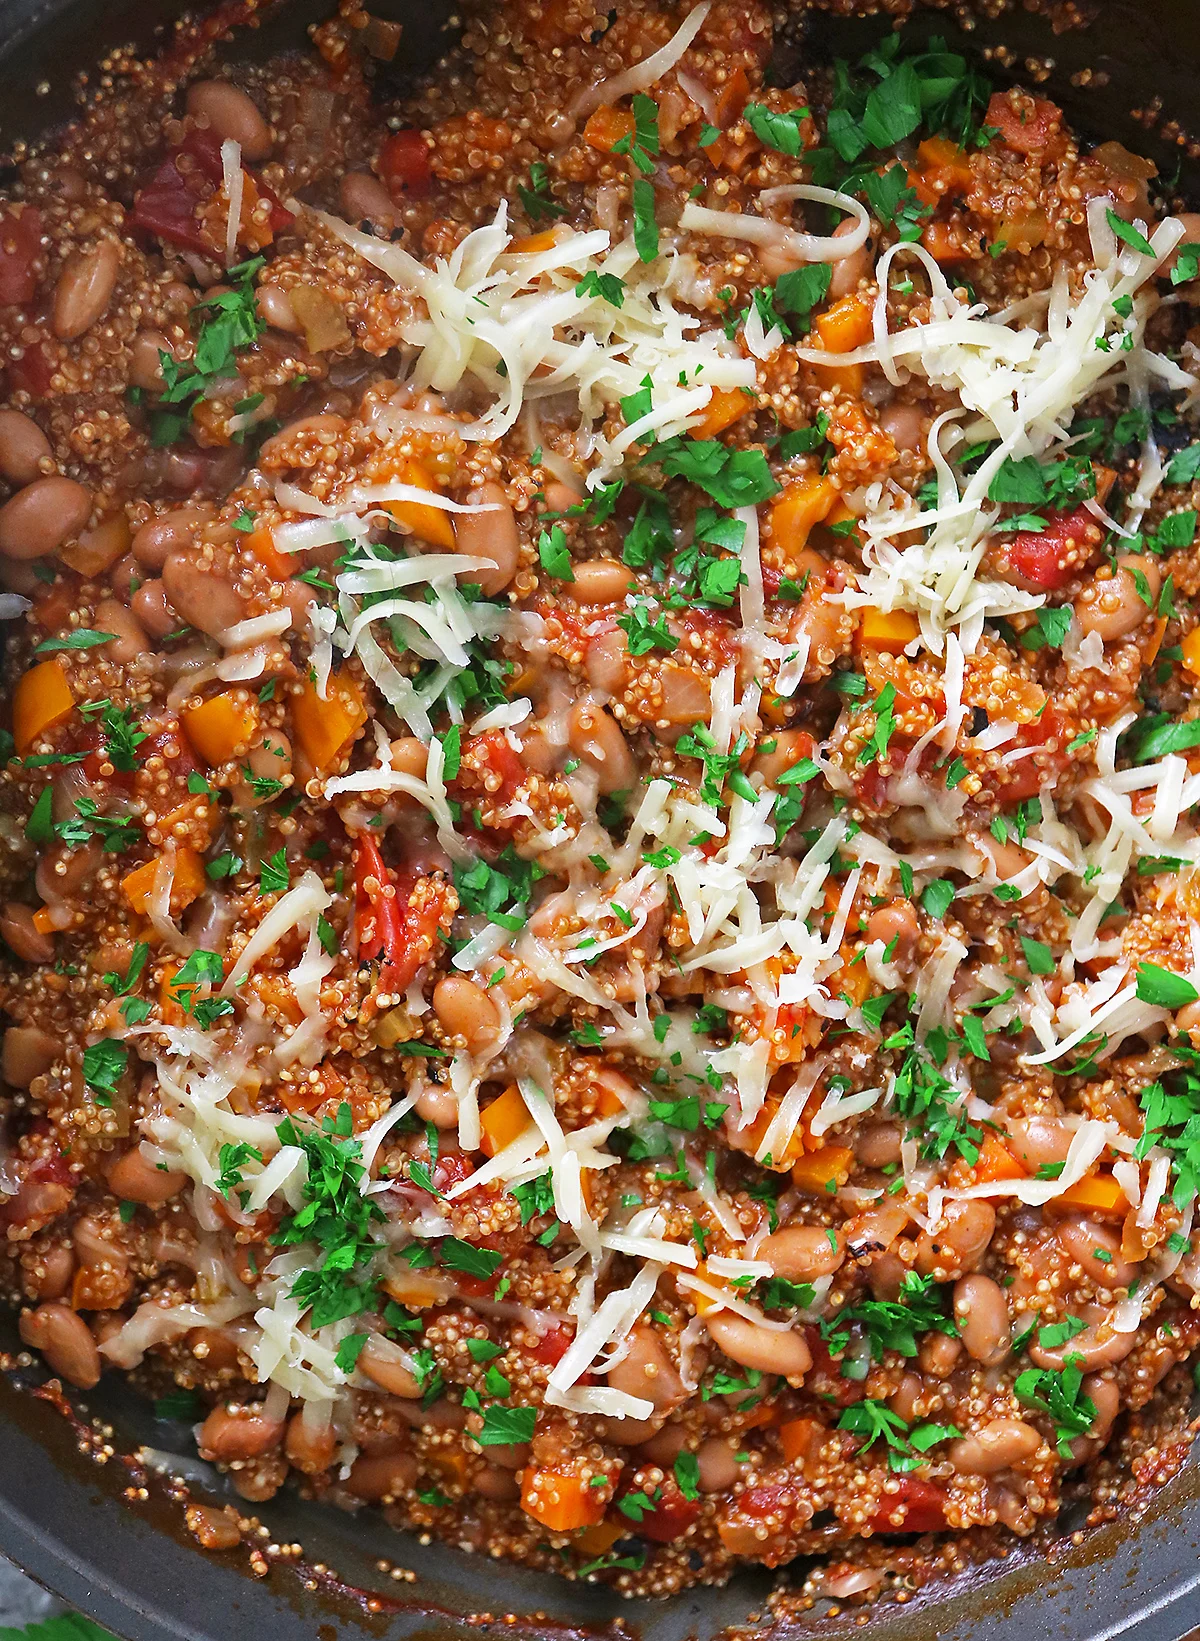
x=20 y=240
x=32 y=373
x=918 y=1507
x=389 y=927
x=1037 y=556
x=1029 y=127
x=404 y=163
x=670 y=1518
x=166 y=206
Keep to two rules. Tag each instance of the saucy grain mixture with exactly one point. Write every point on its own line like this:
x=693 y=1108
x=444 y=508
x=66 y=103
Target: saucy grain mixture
x=600 y=897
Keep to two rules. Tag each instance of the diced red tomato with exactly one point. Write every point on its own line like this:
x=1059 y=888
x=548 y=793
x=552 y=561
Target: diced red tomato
x=918 y=1507
x=553 y=1346
x=32 y=373
x=1038 y=557
x=389 y=927
x=670 y=1519
x=404 y=164
x=1029 y=775
x=451 y=1170
x=166 y=206
x=495 y=750
x=1028 y=125
x=20 y=240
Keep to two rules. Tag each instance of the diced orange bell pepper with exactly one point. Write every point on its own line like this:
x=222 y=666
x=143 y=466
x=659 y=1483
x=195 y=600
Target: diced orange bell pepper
x=607 y=126
x=727 y=405
x=703 y=1305
x=1191 y=651
x=275 y=991
x=842 y=328
x=450 y=1465
x=187 y=884
x=561 y=1502
x=262 y=544
x=221 y=728
x=42 y=699
x=1152 y=643
x=1096 y=1194
x=168 y=998
x=427 y=523
x=996 y=1161
x=533 y=243
x=609 y=1103
x=326 y=729
x=804 y=502
x=823 y=1172
x=43 y=921
x=888 y=630
x=98 y=549
x=599 y=1540
x=504 y=1121
x=195 y=817
x=940 y=154
x=796 y=1438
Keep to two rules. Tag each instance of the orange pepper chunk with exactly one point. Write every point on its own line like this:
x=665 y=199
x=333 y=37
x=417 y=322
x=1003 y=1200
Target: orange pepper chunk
x=599 y=1540
x=187 y=884
x=940 y=154
x=727 y=405
x=533 y=243
x=326 y=729
x=504 y=1121
x=43 y=921
x=996 y=1161
x=1191 y=651
x=796 y=1438
x=98 y=549
x=842 y=328
x=823 y=1172
x=888 y=630
x=262 y=544
x=1096 y=1194
x=221 y=728
x=427 y=523
x=805 y=502
x=168 y=998
x=607 y=126
x=609 y=1102
x=42 y=699
x=560 y=1501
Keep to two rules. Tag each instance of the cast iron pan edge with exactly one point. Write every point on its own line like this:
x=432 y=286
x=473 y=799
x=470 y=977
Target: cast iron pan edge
x=129 y=1565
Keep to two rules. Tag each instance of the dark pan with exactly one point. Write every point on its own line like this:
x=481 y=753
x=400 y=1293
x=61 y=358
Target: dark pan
x=126 y=1561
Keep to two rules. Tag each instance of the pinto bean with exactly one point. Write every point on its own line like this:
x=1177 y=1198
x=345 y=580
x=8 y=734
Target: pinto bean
x=232 y=115
x=848 y=272
x=1105 y=1393
x=38 y=519
x=492 y=535
x=664 y=1446
x=981 y=1311
x=129 y=638
x=65 y=1340
x=1086 y=1243
x=28 y=1052
x=1039 y=1141
x=23 y=447
x=493 y=1483
x=646 y=1371
x=145 y=359
x=1118 y=601
x=309 y=1447
x=601 y=581
x=904 y=424
x=995 y=1446
x=150 y=607
x=872 y=1232
x=213 y=1529
x=767 y=1350
x=169 y=533
x=275 y=305
x=938 y=1354
x=607 y=661
x=1096 y=1347
x=383 y=1479
x=51 y=1277
x=438 y=1106
x=22 y=936
x=957 y=1244
x=465 y=1010
x=233 y=1431
x=597 y=741
x=199 y=596
x=132 y=1178
x=896 y=921
x=801 y=1252
x=85 y=289
x=877 y=1144
x=364 y=199
x=271 y=759
x=717 y=1464
x=382 y=1364
x=906 y=1397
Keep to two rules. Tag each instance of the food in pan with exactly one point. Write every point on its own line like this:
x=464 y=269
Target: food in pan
x=600 y=900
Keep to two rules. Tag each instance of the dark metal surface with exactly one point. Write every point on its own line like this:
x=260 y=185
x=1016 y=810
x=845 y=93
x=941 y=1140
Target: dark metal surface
x=128 y=1564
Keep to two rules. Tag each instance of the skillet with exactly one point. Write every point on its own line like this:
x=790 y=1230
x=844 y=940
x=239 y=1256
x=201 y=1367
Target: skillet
x=86 y=1531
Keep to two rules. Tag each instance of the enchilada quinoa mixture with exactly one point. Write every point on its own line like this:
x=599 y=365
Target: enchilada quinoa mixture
x=599 y=886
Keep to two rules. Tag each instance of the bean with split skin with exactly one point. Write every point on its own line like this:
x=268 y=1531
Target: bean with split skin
x=491 y=535
x=957 y=1244
x=767 y=1350
x=150 y=606
x=232 y=1431
x=65 y=1340
x=597 y=740
x=38 y=519
x=981 y=1311
x=23 y=447
x=28 y=1052
x=232 y=115
x=85 y=289
x=995 y=1446
x=465 y=1010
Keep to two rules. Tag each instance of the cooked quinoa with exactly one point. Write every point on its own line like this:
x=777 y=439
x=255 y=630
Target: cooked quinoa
x=599 y=895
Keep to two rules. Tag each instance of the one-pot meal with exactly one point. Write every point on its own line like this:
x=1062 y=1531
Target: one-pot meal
x=600 y=900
